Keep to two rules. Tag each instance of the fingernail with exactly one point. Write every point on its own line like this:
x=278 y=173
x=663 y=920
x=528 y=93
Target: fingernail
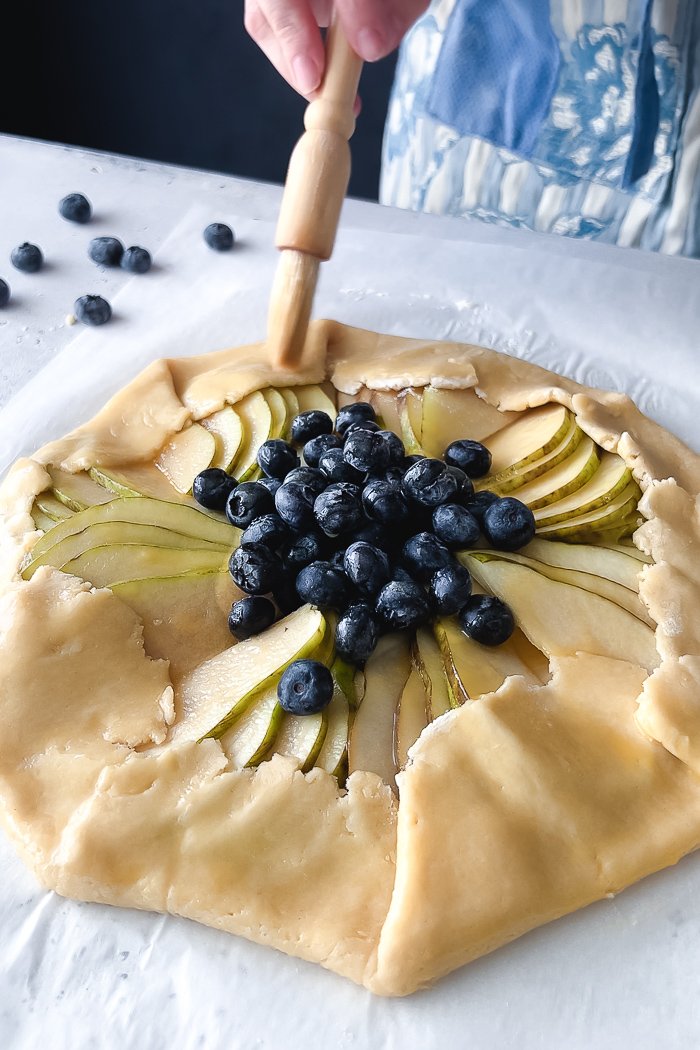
x=372 y=45
x=306 y=74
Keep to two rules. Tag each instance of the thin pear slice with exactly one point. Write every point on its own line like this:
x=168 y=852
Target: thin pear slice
x=482 y=669
x=414 y=407
x=628 y=547
x=386 y=404
x=77 y=491
x=255 y=733
x=187 y=455
x=219 y=691
x=536 y=433
x=618 y=564
x=371 y=743
x=314 y=398
x=123 y=533
x=301 y=737
x=428 y=660
x=333 y=754
x=140 y=510
x=562 y=620
x=256 y=419
x=278 y=411
x=226 y=426
x=610 y=479
x=184 y=617
x=346 y=678
x=450 y=415
x=107 y=566
x=292 y=402
x=41 y=520
x=456 y=692
x=408 y=435
x=512 y=479
x=53 y=508
x=566 y=477
x=411 y=716
x=618 y=513
x=137 y=479
x=533 y=658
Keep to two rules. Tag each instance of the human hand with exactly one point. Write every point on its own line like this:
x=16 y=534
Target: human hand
x=289 y=34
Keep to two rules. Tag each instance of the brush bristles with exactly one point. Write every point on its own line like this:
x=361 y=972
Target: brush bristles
x=291 y=303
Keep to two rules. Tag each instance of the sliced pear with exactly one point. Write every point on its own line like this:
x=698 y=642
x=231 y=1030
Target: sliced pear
x=408 y=435
x=385 y=404
x=371 y=743
x=531 y=656
x=107 y=566
x=137 y=479
x=537 y=432
x=333 y=754
x=218 y=692
x=187 y=455
x=618 y=564
x=41 y=520
x=619 y=517
x=562 y=620
x=411 y=716
x=450 y=415
x=302 y=737
x=292 y=402
x=566 y=477
x=515 y=477
x=457 y=694
x=312 y=398
x=184 y=617
x=610 y=479
x=427 y=658
x=481 y=669
x=414 y=407
x=628 y=547
x=255 y=733
x=278 y=411
x=53 y=508
x=346 y=677
x=227 y=428
x=140 y=510
x=256 y=419
x=77 y=491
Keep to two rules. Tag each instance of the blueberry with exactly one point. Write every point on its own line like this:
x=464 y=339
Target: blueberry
x=508 y=524
x=430 y=483
x=384 y=503
x=395 y=446
x=337 y=560
x=268 y=529
x=305 y=688
x=401 y=575
x=295 y=505
x=308 y=425
x=255 y=568
x=465 y=487
x=450 y=588
x=285 y=595
x=248 y=502
x=455 y=526
x=276 y=458
x=367 y=450
x=479 y=503
x=338 y=510
x=76 y=208
x=219 y=236
x=212 y=487
x=136 y=260
x=27 y=258
x=308 y=476
x=4 y=293
x=423 y=554
x=487 y=620
x=250 y=616
x=92 y=309
x=366 y=567
x=308 y=547
x=470 y=456
x=403 y=605
x=322 y=584
x=374 y=533
x=409 y=461
x=354 y=413
x=314 y=449
x=334 y=467
x=356 y=634
x=105 y=251
x=362 y=424
x=271 y=484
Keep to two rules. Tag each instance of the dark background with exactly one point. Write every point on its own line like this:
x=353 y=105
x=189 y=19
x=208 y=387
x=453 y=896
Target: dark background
x=169 y=80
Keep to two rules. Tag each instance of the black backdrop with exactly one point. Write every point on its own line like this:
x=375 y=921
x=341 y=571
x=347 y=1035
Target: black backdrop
x=169 y=80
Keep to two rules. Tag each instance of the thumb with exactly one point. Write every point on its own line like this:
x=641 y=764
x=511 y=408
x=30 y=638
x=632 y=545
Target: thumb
x=375 y=28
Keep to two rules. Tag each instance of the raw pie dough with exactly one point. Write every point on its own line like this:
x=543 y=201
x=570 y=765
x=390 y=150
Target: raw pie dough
x=515 y=809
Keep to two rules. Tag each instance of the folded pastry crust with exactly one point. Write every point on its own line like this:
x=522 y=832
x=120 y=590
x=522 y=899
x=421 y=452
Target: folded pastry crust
x=513 y=810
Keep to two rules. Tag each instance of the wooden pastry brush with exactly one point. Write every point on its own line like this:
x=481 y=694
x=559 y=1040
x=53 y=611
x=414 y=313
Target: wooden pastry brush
x=316 y=184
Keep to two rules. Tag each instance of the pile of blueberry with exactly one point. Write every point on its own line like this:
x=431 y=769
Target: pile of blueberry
x=364 y=530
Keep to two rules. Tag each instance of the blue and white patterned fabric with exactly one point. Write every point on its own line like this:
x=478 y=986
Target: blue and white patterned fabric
x=580 y=117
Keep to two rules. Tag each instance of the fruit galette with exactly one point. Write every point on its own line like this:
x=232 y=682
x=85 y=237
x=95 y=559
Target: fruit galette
x=381 y=663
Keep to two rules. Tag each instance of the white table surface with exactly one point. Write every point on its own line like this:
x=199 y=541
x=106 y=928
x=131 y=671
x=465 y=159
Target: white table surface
x=621 y=973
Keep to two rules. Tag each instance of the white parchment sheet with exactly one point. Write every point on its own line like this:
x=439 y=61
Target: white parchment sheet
x=622 y=973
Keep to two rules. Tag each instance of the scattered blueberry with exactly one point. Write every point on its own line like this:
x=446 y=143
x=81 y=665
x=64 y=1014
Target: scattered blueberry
x=396 y=451
x=450 y=588
x=27 y=258
x=480 y=502
x=409 y=461
x=295 y=505
x=384 y=502
x=4 y=293
x=356 y=634
x=430 y=483
x=247 y=502
x=105 y=251
x=255 y=568
x=250 y=616
x=509 y=524
x=487 y=620
x=338 y=510
x=92 y=309
x=465 y=487
x=268 y=529
x=136 y=260
x=212 y=487
x=423 y=554
x=76 y=208
x=354 y=413
x=308 y=476
x=362 y=424
x=337 y=560
x=305 y=688
x=276 y=458
x=271 y=484
x=334 y=467
x=367 y=450
x=308 y=547
x=219 y=236
x=311 y=424
x=470 y=456
x=285 y=595
x=322 y=584
x=374 y=533
x=403 y=605
x=455 y=526
x=367 y=567
x=314 y=449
